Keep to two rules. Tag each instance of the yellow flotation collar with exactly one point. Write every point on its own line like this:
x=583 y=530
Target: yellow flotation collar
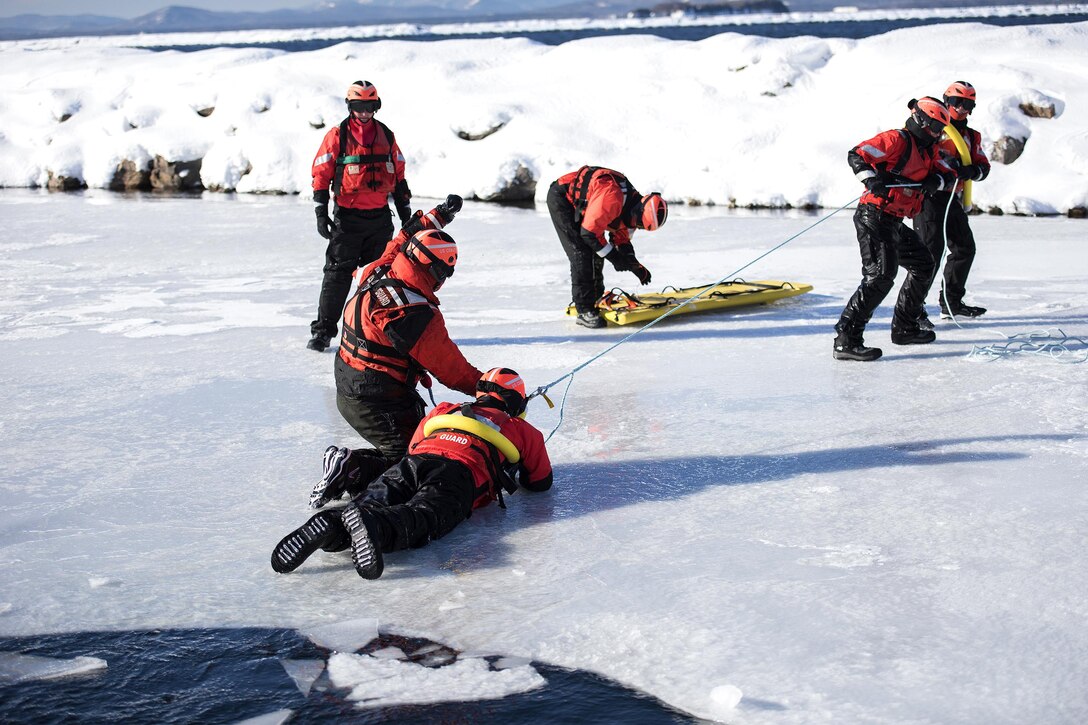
x=476 y=428
x=965 y=158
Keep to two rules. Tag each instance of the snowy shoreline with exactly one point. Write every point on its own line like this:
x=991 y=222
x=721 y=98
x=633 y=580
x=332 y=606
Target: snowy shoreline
x=732 y=120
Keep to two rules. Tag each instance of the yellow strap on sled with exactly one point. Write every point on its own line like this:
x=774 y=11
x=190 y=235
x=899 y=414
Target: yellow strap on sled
x=965 y=158
x=476 y=428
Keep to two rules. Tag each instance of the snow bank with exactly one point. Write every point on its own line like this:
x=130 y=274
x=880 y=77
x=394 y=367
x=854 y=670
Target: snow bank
x=730 y=120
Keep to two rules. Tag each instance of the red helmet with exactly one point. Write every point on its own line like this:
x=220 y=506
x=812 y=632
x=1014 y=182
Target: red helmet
x=434 y=251
x=654 y=212
x=930 y=114
x=505 y=386
x=363 y=96
x=960 y=99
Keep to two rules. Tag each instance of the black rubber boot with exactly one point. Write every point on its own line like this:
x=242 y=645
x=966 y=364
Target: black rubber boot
x=590 y=319
x=961 y=311
x=916 y=336
x=324 y=531
x=858 y=351
x=366 y=551
x=849 y=345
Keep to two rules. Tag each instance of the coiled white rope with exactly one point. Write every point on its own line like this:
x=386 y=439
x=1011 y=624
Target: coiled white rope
x=1053 y=342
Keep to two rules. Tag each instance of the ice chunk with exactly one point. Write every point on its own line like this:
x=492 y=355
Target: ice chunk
x=389 y=653
x=273 y=718
x=380 y=682
x=725 y=697
x=17 y=667
x=303 y=672
x=508 y=662
x=103 y=581
x=343 y=636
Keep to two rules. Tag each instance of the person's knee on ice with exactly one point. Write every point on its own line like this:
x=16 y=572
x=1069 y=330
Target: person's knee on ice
x=395 y=337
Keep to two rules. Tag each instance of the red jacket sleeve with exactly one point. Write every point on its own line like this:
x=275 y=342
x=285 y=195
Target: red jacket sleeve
x=978 y=155
x=398 y=161
x=535 y=466
x=325 y=161
x=876 y=154
x=441 y=357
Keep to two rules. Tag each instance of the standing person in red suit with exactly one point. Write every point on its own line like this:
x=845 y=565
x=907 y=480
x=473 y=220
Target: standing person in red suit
x=461 y=458
x=394 y=337
x=960 y=99
x=360 y=163
x=584 y=206
x=885 y=163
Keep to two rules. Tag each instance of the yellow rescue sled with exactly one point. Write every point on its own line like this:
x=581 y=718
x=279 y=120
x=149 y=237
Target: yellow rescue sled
x=624 y=308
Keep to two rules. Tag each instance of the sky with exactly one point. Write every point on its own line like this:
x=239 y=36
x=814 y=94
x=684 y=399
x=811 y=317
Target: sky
x=136 y=8
x=734 y=513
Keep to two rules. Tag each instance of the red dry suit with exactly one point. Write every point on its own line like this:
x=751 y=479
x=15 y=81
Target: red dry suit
x=365 y=169
x=602 y=198
x=898 y=153
x=392 y=324
x=488 y=465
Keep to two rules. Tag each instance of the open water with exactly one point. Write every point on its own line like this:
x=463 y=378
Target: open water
x=824 y=29
x=213 y=676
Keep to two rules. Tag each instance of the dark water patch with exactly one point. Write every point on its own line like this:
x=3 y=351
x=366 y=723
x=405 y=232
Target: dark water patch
x=852 y=29
x=210 y=676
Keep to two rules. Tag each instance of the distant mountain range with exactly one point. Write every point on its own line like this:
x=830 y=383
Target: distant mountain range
x=180 y=19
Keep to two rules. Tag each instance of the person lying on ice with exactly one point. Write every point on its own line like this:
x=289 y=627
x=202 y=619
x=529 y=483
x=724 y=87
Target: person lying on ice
x=461 y=457
x=393 y=336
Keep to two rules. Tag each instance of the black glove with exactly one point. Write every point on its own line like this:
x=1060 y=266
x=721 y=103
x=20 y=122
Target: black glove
x=448 y=209
x=932 y=183
x=414 y=224
x=642 y=273
x=970 y=172
x=878 y=185
x=622 y=258
x=325 y=226
x=402 y=200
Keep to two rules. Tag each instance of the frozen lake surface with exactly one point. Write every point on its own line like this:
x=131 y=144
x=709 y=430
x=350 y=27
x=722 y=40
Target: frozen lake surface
x=734 y=511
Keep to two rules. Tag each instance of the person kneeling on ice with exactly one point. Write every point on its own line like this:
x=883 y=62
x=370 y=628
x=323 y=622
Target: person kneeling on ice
x=897 y=167
x=394 y=336
x=461 y=457
x=585 y=204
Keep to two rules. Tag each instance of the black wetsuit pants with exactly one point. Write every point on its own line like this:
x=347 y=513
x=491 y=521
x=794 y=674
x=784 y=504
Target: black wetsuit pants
x=586 y=267
x=886 y=244
x=380 y=409
x=421 y=498
x=961 y=244
x=360 y=237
